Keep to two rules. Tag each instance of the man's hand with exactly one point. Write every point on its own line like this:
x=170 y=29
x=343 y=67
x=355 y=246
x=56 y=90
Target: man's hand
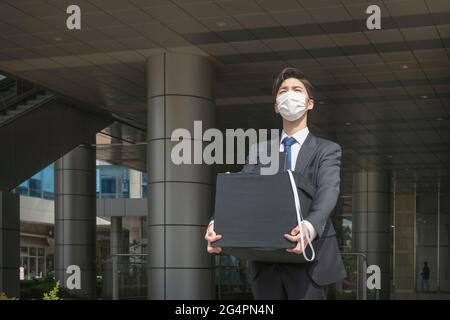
x=295 y=237
x=211 y=237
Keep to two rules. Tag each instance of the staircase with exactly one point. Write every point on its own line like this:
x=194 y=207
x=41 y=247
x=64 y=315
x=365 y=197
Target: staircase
x=28 y=102
x=17 y=97
x=37 y=128
x=7 y=88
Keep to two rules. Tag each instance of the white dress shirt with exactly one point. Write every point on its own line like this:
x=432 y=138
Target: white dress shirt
x=300 y=137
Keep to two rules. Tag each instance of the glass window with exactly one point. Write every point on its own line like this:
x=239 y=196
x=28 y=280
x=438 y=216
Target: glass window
x=33 y=252
x=36 y=185
x=41 y=185
x=97 y=181
x=24 y=264
x=23 y=251
x=50 y=262
x=32 y=268
x=108 y=187
x=40 y=267
x=23 y=188
x=33 y=261
x=111 y=182
x=48 y=182
x=144 y=185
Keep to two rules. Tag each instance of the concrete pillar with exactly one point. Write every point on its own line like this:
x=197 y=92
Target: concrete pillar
x=9 y=244
x=371 y=227
x=135 y=193
x=179 y=91
x=116 y=248
x=405 y=241
x=116 y=235
x=75 y=218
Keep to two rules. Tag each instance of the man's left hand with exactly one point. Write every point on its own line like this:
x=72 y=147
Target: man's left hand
x=295 y=237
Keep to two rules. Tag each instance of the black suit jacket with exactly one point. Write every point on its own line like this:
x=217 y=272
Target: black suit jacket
x=319 y=162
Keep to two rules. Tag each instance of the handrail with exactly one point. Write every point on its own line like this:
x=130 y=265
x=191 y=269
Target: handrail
x=19 y=98
x=361 y=293
x=129 y=254
x=6 y=83
x=5 y=97
x=115 y=271
x=35 y=106
x=361 y=289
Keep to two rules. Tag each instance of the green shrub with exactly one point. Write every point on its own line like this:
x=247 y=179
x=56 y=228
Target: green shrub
x=52 y=294
x=35 y=289
x=3 y=296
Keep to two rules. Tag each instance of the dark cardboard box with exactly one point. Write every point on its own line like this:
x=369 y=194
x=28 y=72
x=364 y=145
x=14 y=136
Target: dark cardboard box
x=253 y=212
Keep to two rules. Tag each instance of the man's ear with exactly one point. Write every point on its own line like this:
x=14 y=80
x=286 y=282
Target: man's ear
x=310 y=105
x=276 y=108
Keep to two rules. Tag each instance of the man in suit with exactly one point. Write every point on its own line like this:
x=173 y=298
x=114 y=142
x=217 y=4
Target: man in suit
x=319 y=161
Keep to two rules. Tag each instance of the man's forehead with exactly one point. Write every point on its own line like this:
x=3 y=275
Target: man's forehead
x=292 y=82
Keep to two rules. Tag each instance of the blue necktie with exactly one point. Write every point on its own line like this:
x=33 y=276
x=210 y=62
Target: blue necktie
x=287 y=143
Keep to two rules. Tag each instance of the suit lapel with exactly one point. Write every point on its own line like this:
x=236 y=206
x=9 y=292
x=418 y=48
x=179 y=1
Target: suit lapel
x=304 y=156
x=306 y=152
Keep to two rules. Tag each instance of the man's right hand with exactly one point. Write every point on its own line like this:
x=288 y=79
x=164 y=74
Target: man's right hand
x=211 y=237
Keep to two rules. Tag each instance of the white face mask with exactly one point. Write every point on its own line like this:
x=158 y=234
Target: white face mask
x=291 y=105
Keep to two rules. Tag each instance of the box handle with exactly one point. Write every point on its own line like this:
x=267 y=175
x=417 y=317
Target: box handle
x=298 y=211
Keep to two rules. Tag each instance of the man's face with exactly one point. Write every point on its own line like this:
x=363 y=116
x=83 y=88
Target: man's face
x=293 y=84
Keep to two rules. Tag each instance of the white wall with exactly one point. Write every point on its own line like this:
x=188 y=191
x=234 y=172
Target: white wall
x=39 y=210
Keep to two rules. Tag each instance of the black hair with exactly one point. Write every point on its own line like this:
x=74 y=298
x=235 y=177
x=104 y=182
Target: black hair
x=290 y=72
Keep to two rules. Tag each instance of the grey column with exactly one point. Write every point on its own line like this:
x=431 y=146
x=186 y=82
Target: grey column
x=116 y=248
x=9 y=244
x=179 y=91
x=116 y=235
x=371 y=227
x=75 y=218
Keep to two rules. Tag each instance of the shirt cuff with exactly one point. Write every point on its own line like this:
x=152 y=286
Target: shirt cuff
x=312 y=232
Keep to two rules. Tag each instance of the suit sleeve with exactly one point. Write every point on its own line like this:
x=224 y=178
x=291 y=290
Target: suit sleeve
x=327 y=192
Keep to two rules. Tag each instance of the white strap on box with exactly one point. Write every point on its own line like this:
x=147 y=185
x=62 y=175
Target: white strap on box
x=298 y=210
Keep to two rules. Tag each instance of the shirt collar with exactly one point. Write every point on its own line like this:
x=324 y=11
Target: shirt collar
x=299 y=136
